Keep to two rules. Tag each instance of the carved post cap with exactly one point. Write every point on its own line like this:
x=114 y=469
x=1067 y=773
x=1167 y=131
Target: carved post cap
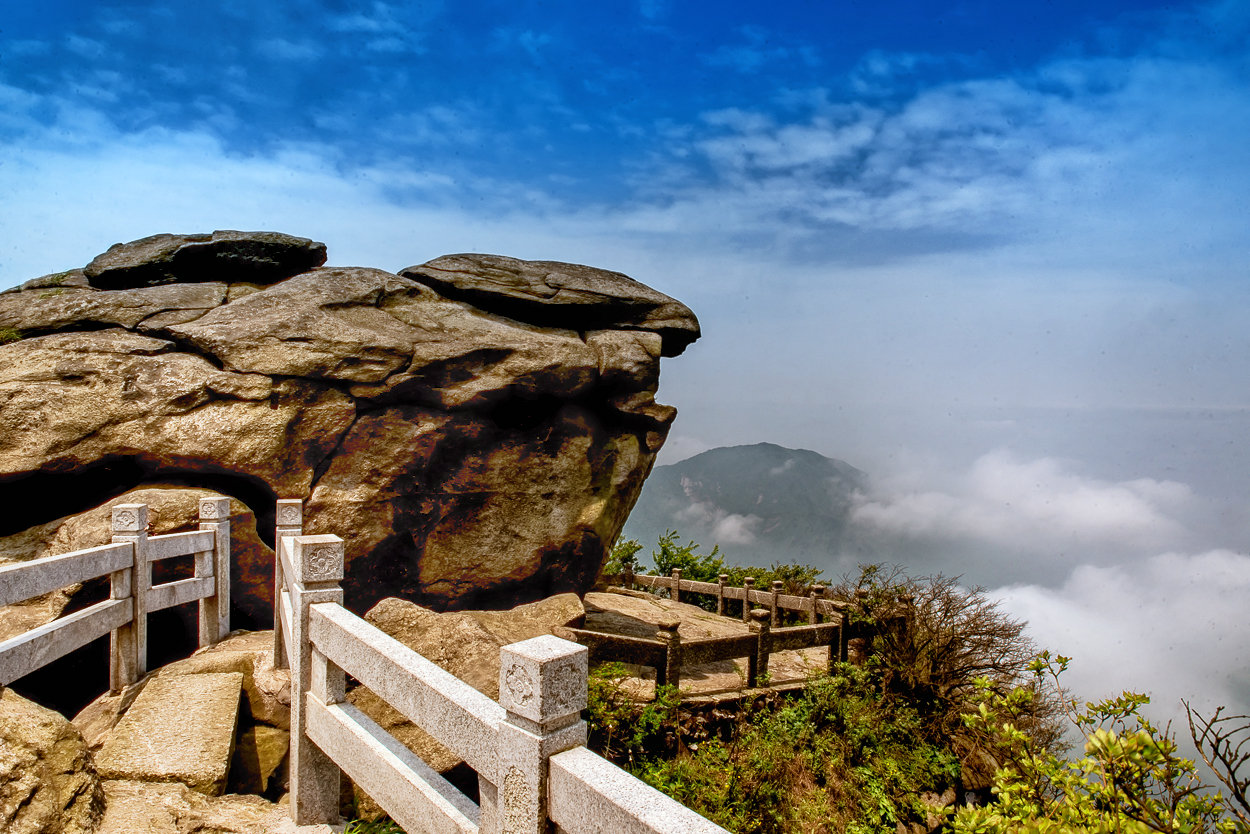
x=543 y=679
x=723 y=578
x=749 y=581
x=669 y=625
x=290 y=512
x=818 y=590
x=215 y=508
x=777 y=583
x=318 y=559
x=130 y=518
x=760 y=616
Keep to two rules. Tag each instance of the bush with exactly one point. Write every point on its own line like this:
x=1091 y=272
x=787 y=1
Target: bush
x=1130 y=780
x=838 y=757
x=938 y=644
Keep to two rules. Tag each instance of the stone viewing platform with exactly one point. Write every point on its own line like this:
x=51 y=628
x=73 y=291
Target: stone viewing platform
x=639 y=614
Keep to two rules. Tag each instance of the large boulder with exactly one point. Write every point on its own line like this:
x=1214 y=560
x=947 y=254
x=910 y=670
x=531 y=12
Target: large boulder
x=48 y=784
x=477 y=428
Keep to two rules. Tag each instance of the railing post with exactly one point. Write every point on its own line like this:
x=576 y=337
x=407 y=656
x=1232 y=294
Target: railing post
x=129 y=644
x=215 y=610
x=747 y=585
x=761 y=627
x=542 y=685
x=670 y=675
x=818 y=593
x=776 y=601
x=289 y=521
x=835 y=649
x=318 y=565
x=720 y=594
x=676 y=594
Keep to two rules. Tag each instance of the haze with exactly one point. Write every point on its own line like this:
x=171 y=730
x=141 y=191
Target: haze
x=995 y=255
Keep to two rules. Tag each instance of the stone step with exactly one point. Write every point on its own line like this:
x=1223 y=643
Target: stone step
x=179 y=729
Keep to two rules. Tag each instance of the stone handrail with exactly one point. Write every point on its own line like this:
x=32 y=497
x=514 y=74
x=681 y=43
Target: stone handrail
x=126 y=561
x=528 y=749
x=813 y=603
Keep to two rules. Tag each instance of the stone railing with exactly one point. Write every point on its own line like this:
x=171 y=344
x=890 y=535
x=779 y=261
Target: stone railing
x=667 y=653
x=127 y=561
x=814 y=603
x=528 y=749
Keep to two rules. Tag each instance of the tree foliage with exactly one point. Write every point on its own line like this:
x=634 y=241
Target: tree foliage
x=1130 y=780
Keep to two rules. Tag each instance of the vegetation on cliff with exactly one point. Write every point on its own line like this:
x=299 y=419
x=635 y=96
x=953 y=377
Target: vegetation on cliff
x=955 y=723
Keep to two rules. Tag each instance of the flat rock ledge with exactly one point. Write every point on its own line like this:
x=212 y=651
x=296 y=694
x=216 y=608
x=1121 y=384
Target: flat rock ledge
x=179 y=729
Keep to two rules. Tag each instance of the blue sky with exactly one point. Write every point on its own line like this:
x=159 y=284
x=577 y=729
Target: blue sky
x=978 y=249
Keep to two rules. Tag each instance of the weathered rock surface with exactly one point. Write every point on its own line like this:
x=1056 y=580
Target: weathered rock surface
x=478 y=432
x=181 y=728
x=171 y=808
x=559 y=295
x=266 y=690
x=465 y=643
x=259 y=257
x=48 y=784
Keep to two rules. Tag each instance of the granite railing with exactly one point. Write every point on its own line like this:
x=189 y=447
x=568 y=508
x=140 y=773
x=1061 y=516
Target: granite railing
x=814 y=602
x=533 y=769
x=127 y=561
x=668 y=652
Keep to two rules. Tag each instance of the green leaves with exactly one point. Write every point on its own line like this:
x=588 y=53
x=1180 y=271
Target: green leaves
x=1130 y=781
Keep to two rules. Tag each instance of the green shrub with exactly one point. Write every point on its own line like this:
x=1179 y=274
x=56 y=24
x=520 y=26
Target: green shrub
x=1130 y=780
x=8 y=334
x=838 y=757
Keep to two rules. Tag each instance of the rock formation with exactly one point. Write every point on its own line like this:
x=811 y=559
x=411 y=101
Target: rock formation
x=477 y=428
x=48 y=784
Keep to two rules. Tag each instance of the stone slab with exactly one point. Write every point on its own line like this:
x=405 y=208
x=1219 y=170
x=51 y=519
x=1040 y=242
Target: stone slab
x=179 y=729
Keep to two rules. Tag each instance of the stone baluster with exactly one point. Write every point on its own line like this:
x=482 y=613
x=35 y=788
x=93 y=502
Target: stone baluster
x=318 y=565
x=215 y=610
x=761 y=628
x=670 y=674
x=817 y=594
x=130 y=524
x=720 y=594
x=776 y=603
x=747 y=585
x=627 y=577
x=288 y=521
x=542 y=685
x=676 y=593
x=128 y=644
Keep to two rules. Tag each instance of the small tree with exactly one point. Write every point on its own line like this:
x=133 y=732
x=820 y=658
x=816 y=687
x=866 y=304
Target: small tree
x=937 y=644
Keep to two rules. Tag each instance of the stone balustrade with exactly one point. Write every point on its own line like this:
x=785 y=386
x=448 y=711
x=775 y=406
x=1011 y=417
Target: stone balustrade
x=127 y=562
x=527 y=749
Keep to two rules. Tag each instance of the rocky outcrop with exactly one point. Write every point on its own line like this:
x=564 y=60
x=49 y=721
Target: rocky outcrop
x=476 y=428
x=48 y=784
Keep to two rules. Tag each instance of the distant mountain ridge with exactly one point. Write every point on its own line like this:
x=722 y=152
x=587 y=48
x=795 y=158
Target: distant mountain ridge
x=760 y=503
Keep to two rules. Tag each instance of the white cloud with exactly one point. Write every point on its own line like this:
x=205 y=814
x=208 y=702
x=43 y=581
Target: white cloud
x=1032 y=506
x=1173 y=626
x=288 y=50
